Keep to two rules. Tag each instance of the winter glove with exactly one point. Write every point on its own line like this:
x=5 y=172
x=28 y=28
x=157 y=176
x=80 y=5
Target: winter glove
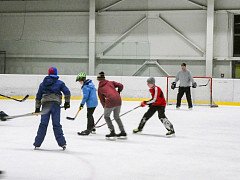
x=143 y=104
x=66 y=105
x=37 y=110
x=173 y=86
x=80 y=107
x=194 y=85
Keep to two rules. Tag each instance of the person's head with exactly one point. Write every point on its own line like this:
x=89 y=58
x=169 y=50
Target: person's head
x=151 y=82
x=184 y=66
x=52 y=71
x=101 y=76
x=81 y=77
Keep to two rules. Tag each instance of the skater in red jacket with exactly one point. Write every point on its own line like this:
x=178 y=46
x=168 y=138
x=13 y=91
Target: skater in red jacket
x=157 y=103
x=109 y=95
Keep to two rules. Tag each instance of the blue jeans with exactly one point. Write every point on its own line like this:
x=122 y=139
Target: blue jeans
x=54 y=111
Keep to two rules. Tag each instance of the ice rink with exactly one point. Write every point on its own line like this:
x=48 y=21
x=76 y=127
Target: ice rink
x=206 y=146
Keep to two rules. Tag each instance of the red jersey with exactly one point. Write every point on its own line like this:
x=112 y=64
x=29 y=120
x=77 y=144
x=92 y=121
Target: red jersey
x=157 y=97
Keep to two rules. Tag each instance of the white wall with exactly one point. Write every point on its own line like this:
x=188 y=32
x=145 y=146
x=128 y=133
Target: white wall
x=50 y=6
x=44 y=35
x=64 y=36
x=224 y=90
x=41 y=65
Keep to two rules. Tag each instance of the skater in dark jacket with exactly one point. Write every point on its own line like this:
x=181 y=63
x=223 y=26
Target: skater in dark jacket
x=90 y=98
x=111 y=101
x=49 y=95
x=156 y=104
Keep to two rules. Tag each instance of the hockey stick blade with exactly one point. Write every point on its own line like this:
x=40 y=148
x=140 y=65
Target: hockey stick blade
x=70 y=118
x=19 y=100
x=25 y=98
x=204 y=84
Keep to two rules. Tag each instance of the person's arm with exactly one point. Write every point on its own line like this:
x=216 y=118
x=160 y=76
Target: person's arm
x=177 y=77
x=191 y=78
x=67 y=95
x=173 y=85
x=66 y=92
x=86 y=93
x=153 y=100
x=194 y=84
x=118 y=85
x=38 y=99
x=101 y=97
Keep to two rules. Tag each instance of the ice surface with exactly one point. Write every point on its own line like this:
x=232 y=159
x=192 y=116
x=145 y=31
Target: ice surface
x=206 y=146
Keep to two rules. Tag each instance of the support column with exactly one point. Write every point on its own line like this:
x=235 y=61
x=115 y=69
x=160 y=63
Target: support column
x=209 y=40
x=92 y=38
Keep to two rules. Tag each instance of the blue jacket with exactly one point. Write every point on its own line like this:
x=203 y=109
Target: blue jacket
x=89 y=94
x=51 y=90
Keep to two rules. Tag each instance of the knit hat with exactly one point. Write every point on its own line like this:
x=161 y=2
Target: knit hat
x=81 y=76
x=101 y=76
x=151 y=80
x=52 y=71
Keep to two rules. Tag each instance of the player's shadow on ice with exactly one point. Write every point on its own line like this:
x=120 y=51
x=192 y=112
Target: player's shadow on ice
x=67 y=151
x=102 y=139
x=180 y=110
x=155 y=135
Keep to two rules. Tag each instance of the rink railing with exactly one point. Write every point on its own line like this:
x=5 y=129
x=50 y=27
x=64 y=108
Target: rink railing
x=224 y=91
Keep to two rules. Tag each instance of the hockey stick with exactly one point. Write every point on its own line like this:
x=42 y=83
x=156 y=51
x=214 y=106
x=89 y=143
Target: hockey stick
x=73 y=118
x=98 y=121
x=201 y=85
x=44 y=111
x=23 y=115
x=19 y=100
x=204 y=84
x=119 y=116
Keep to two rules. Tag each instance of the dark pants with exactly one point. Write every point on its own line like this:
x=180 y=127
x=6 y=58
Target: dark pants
x=181 y=92
x=54 y=111
x=90 y=123
x=161 y=115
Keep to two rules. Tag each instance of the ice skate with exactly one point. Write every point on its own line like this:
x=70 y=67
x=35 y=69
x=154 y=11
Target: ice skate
x=93 y=131
x=137 y=130
x=64 y=147
x=84 y=133
x=122 y=135
x=111 y=136
x=36 y=148
x=170 y=133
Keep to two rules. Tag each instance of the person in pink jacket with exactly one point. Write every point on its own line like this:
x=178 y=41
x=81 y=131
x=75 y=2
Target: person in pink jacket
x=109 y=95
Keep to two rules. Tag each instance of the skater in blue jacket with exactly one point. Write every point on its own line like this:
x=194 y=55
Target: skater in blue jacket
x=49 y=96
x=90 y=98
